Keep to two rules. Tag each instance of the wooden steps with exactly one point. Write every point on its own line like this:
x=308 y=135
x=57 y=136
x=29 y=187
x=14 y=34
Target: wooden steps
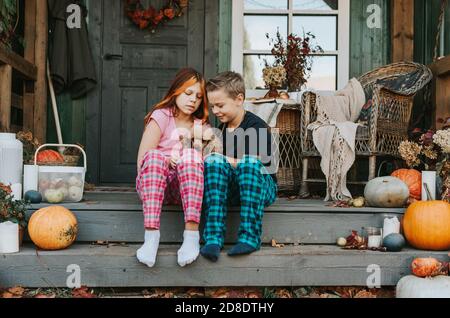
x=308 y=228
x=117 y=217
x=117 y=266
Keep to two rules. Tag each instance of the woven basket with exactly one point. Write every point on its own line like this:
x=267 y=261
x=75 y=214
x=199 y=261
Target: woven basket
x=69 y=161
x=289 y=172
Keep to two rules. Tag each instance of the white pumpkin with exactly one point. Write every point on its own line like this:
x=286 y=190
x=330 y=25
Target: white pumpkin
x=75 y=182
x=386 y=192
x=75 y=194
x=54 y=196
x=416 y=287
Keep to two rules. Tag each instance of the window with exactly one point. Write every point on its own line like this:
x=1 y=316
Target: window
x=328 y=20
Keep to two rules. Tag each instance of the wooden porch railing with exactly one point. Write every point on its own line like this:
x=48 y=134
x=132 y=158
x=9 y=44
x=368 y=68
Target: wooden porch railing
x=441 y=91
x=31 y=70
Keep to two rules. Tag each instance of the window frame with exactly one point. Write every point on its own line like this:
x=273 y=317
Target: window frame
x=343 y=35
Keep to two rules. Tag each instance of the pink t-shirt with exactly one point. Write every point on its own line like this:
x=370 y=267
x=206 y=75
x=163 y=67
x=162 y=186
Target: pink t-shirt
x=170 y=144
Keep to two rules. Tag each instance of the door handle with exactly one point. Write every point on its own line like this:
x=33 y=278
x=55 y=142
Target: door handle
x=110 y=57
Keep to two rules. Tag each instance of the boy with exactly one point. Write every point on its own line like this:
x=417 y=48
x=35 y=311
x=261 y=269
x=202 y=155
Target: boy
x=239 y=175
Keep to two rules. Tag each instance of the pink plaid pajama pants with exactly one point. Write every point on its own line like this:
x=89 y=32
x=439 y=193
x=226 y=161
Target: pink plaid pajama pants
x=158 y=184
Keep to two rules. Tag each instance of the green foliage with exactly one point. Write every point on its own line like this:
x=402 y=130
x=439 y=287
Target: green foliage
x=8 y=18
x=11 y=210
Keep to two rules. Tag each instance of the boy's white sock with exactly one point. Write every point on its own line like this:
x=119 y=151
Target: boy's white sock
x=147 y=253
x=190 y=249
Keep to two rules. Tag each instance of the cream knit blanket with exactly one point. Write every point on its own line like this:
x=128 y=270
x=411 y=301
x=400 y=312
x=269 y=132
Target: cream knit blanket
x=334 y=135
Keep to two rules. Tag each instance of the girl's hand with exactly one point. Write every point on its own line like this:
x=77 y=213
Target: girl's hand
x=174 y=161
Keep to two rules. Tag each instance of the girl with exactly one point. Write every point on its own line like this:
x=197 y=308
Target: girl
x=168 y=172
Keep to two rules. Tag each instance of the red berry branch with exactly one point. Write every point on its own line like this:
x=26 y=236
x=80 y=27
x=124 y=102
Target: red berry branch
x=150 y=18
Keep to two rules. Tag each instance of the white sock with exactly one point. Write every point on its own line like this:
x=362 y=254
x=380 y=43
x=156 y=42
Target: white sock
x=147 y=253
x=190 y=249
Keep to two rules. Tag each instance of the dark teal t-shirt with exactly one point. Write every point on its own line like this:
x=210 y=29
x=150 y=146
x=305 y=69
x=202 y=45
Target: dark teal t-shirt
x=252 y=137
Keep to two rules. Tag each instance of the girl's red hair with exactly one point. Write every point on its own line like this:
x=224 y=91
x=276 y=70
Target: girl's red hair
x=184 y=79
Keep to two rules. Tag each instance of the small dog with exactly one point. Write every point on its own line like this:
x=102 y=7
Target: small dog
x=205 y=142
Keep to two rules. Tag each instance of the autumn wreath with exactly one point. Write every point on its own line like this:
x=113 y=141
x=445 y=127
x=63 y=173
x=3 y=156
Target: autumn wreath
x=151 y=17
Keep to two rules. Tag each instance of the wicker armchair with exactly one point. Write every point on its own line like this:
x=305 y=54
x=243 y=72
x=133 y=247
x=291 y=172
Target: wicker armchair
x=388 y=123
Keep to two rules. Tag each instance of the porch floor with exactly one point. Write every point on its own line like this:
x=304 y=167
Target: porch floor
x=110 y=232
x=116 y=265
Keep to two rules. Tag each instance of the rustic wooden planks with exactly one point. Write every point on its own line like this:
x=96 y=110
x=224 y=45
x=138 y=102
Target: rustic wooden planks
x=5 y=97
x=117 y=266
x=29 y=55
x=283 y=227
x=402 y=30
x=441 y=71
x=118 y=218
x=24 y=68
x=40 y=105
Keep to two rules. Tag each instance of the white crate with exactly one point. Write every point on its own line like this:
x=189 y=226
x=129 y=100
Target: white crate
x=58 y=184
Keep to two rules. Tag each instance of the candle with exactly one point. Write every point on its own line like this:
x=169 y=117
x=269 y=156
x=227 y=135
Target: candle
x=374 y=241
x=30 y=178
x=391 y=225
x=9 y=238
x=429 y=178
x=16 y=191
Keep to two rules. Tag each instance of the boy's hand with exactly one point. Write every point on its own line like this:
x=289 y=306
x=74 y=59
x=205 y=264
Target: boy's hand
x=233 y=162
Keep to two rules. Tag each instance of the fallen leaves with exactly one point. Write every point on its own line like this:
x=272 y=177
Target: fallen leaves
x=339 y=204
x=223 y=292
x=83 y=292
x=109 y=244
x=14 y=292
x=283 y=293
x=45 y=296
x=355 y=242
x=230 y=292
x=275 y=244
x=158 y=293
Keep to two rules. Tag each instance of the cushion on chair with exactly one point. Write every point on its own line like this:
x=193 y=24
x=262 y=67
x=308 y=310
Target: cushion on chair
x=366 y=111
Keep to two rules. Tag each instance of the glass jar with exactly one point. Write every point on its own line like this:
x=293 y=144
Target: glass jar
x=373 y=236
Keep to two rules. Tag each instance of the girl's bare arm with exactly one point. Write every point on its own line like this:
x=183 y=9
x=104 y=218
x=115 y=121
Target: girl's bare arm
x=150 y=141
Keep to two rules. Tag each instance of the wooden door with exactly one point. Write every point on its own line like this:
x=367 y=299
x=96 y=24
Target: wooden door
x=138 y=67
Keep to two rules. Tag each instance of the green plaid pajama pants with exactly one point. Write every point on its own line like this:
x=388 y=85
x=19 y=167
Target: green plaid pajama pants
x=246 y=186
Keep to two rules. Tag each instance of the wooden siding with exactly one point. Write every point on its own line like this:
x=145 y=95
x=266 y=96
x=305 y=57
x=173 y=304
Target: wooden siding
x=369 y=48
x=425 y=23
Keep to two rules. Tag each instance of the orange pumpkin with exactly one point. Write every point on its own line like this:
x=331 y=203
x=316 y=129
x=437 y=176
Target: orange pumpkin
x=428 y=267
x=413 y=180
x=49 y=156
x=53 y=228
x=426 y=225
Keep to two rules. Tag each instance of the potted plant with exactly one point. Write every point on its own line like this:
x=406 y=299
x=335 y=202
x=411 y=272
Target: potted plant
x=429 y=152
x=274 y=77
x=9 y=22
x=295 y=56
x=13 y=210
x=30 y=144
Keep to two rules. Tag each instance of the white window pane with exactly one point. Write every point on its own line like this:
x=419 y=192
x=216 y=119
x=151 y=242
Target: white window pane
x=253 y=67
x=324 y=28
x=256 y=27
x=266 y=4
x=315 y=4
x=323 y=73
